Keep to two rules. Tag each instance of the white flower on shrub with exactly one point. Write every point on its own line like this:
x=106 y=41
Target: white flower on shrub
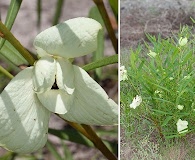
x=152 y=54
x=123 y=74
x=183 y=41
x=180 y=107
x=182 y=126
x=136 y=102
x=171 y=78
x=29 y=99
x=159 y=93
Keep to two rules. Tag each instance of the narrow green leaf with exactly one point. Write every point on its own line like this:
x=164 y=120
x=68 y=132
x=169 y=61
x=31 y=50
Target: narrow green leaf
x=8 y=156
x=67 y=153
x=52 y=149
x=58 y=12
x=6 y=34
x=39 y=11
x=161 y=112
x=114 y=6
x=99 y=53
x=71 y=135
x=107 y=22
x=11 y=16
x=5 y=72
x=102 y=62
x=166 y=120
x=10 y=53
x=76 y=137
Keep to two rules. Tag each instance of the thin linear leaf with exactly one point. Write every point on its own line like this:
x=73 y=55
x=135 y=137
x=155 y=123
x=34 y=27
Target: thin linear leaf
x=161 y=112
x=52 y=149
x=99 y=53
x=76 y=137
x=67 y=153
x=8 y=156
x=11 y=16
x=166 y=120
x=6 y=34
x=58 y=12
x=114 y=6
x=39 y=11
x=71 y=135
x=102 y=62
x=10 y=53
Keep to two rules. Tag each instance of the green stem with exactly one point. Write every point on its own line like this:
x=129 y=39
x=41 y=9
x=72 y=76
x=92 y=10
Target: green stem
x=105 y=17
x=58 y=11
x=99 y=144
x=6 y=34
x=102 y=62
x=4 y=71
x=39 y=11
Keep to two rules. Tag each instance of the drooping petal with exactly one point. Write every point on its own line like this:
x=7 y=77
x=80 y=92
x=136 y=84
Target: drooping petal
x=91 y=103
x=23 y=119
x=44 y=74
x=65 y=75
x=57 y=101
x=72 y=38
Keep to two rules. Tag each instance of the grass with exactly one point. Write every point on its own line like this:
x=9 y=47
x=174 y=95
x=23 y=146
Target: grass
x=164 y=80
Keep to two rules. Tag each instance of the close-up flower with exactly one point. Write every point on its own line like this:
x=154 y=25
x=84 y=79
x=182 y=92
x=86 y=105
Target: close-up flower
x=136 y=102
x=182 y=126
x=54 y=85
x=123 y=74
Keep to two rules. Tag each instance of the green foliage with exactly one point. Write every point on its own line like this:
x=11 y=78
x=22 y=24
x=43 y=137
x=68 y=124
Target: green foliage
x=164 y=82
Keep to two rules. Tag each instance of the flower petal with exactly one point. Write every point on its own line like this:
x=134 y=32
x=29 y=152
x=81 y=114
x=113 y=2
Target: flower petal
x=56 y=101
x=91 y=103
x=65 y=75
x=23 y=120
x=44 y=74
x=73 y=38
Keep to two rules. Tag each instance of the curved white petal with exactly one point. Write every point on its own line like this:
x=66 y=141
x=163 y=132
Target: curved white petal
x=57 y=101
x=44 y=74
x=23 y=120
x=65 y=75
x=73 y=38
x=91 y=103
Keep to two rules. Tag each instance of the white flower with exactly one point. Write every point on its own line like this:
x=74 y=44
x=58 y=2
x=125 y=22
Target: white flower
x=180 y=107
x=171 y=78
x=136 y=102
x=159 y=93
x=182 y=126
x=152 y=54
x=187 y=77
x=183 y=41
x=123 y=74
x=28 y=100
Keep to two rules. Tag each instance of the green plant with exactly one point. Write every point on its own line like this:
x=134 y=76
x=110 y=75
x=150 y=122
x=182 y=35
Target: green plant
x=162 y=73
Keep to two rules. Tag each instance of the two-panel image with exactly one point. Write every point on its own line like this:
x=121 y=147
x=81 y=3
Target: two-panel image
x=97 y=80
